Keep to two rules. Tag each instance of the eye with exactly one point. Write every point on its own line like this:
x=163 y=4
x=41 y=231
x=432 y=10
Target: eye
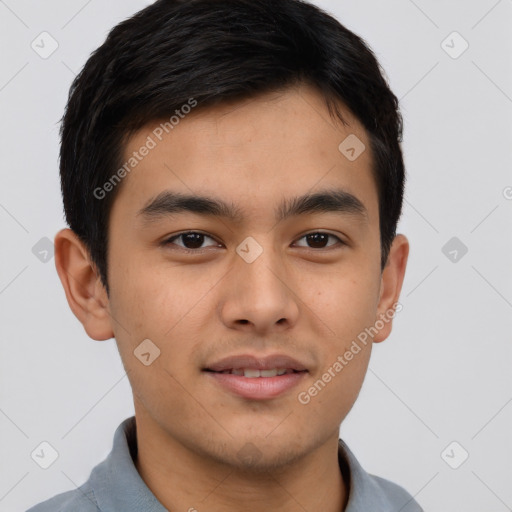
x=191 y=241
x=319 y=240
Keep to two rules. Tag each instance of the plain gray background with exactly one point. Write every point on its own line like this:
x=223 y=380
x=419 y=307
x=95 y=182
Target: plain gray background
x=443 y=376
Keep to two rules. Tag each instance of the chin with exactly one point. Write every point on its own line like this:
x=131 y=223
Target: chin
x=257 y=456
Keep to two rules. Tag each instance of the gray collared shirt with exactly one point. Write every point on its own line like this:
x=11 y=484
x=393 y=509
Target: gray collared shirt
x=115 y=485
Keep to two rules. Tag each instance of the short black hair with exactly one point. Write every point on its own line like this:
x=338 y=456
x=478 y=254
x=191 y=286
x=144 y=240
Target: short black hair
x=217 y=51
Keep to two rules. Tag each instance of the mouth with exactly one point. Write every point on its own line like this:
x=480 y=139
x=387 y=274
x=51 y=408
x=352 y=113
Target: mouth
x=253 y=373
x=256 y=378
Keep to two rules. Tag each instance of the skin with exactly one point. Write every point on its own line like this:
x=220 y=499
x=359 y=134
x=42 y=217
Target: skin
x=308 y=301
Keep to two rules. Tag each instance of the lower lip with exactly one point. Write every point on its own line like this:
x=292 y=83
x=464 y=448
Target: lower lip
x=258 y=388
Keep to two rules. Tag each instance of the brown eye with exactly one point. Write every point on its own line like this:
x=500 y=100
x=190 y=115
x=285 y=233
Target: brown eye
x=319 y=240
x=191 y=240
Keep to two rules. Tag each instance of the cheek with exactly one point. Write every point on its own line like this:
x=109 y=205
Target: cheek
x=346 y=302
x=147 y=305
x=144 y=293
x=161 y=303
x=332 y=391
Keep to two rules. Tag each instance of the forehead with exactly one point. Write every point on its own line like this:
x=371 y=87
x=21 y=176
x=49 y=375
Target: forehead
x=252 y=152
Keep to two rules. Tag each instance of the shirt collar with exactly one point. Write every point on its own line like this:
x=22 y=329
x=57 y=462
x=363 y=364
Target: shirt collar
x=116 y=482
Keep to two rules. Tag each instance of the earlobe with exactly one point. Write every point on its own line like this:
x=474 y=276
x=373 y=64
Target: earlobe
x=84 y=291
x=391 y=286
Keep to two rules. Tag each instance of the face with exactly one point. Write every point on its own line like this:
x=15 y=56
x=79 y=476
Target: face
x=256 y=280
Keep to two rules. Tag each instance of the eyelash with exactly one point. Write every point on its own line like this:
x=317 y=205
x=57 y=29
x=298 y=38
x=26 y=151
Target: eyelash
x=169 y=241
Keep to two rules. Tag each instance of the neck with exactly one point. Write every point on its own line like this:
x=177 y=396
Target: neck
x=182 y=479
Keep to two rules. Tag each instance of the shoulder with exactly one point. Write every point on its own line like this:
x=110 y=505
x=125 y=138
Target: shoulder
x=79 y=500
x=371 y=492
x=394 y=495
x=108 y=484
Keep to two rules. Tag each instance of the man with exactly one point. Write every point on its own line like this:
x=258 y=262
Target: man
x=232 y=177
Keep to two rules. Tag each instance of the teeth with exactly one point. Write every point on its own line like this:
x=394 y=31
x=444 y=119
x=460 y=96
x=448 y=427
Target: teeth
x=252 y=373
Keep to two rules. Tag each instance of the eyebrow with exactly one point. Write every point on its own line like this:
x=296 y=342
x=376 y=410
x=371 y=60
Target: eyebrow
x=169 y=202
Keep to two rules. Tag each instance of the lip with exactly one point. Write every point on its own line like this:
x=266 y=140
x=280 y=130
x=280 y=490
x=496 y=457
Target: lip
x=257 y=363
x=257 y=388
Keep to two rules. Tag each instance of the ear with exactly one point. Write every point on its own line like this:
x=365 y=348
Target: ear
x=85 y=293
x=391 y=285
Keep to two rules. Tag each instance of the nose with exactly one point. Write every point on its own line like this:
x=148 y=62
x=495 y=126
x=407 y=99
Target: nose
x=260 y=296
